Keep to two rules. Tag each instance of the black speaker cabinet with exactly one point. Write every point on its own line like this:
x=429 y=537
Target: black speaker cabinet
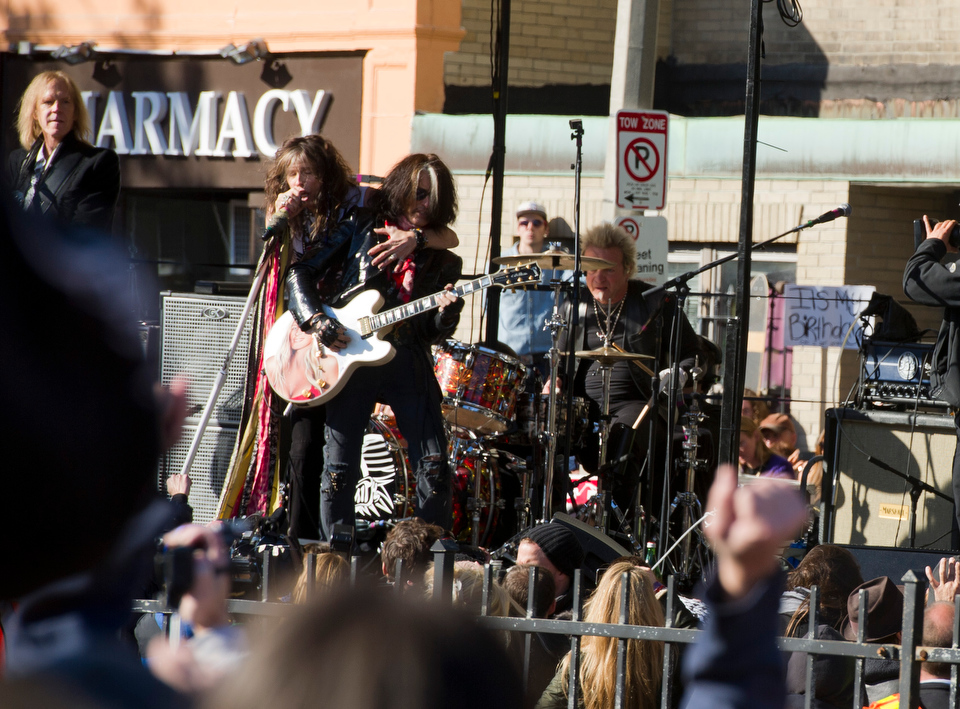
x=870 y=505
x=196 y=332
x=598 y=549
x=883 y=561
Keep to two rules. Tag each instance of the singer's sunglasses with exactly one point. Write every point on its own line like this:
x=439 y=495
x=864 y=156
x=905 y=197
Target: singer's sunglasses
x=528 y=222
x=422 y=194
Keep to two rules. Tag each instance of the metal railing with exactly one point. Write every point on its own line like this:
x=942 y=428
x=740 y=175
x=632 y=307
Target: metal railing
x=910 y=652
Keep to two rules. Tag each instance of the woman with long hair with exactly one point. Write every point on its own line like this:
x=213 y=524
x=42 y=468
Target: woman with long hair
x=57 y=172
x=835 y=572
x=598 y=655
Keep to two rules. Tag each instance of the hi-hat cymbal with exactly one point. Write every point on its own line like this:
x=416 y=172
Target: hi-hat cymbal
x=609 y=355
x=557 y=260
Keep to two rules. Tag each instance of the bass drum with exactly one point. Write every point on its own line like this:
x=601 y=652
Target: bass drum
x=387 y=489
x=473 y=465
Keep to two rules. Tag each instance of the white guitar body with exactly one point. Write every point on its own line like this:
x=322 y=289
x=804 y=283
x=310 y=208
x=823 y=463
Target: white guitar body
x=300 y=384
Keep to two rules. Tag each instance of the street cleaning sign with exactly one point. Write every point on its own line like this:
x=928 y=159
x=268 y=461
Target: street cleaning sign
x=824 y=316
x=641 y=159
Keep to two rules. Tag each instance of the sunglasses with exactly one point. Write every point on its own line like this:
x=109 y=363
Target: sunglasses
x=528 y=222
x=422 y=194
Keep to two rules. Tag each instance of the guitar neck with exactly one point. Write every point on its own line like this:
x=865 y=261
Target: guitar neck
x=372 y=323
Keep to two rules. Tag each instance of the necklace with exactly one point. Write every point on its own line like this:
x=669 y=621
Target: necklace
x=606 y=330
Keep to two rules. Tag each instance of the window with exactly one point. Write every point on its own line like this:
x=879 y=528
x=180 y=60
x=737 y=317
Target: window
x=246 y=224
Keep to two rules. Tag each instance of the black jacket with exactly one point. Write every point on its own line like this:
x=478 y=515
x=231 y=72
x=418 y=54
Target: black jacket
x=929 y=282
x=80 y=187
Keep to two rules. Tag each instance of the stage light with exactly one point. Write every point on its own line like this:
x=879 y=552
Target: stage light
x=254 y=49
x=76 y=54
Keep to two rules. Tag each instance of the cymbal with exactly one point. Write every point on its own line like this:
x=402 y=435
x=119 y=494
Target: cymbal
x=609 y=355
x=557 y=260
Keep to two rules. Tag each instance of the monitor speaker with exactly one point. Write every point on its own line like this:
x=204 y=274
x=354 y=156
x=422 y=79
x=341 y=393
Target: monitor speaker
x=883 y=561
x=195 y=334
x=871 y=505
x=598 y=549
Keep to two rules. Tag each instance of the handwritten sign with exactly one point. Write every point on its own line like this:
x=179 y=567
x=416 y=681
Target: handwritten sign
x=820 y=316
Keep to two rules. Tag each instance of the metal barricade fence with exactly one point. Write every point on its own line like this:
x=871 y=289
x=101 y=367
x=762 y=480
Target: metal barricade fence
x=910 y=648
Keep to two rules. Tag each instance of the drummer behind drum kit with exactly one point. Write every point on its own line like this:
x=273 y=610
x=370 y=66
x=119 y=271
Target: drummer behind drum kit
x=488 y=417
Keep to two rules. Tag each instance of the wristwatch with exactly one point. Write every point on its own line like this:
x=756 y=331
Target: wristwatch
x=421 y=239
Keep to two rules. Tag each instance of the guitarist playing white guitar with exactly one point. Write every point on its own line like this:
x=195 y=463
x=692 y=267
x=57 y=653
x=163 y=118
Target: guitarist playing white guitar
x=417 y=193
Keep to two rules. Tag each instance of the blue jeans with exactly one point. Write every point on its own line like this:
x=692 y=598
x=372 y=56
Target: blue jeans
x=407 y=383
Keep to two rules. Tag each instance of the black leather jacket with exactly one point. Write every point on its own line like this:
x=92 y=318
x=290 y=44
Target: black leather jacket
x=931 y=278
x=80 y=187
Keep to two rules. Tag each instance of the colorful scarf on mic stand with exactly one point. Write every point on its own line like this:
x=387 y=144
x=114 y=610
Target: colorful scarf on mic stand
x=252 y=482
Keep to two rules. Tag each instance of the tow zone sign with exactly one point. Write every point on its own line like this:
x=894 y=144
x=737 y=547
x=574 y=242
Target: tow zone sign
x=641 y=159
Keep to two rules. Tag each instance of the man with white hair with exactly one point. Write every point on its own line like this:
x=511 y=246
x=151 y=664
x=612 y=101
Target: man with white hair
x=616 y=312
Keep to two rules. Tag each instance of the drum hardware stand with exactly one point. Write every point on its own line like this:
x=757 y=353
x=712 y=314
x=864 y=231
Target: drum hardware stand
x=548 y=438
x=687 y=499
x=603 y=495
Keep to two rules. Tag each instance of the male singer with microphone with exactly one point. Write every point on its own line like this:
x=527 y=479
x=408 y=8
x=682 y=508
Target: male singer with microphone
x=931 y=278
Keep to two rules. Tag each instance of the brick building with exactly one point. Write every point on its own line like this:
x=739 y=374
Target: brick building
x=859 y=105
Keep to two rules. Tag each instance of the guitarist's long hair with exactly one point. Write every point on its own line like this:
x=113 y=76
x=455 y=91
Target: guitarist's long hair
x=331 y=169
x=399 y=188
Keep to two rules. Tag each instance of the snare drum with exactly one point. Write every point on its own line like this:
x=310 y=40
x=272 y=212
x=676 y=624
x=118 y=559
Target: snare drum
x=480 y=387
x=387 y=489
x=532 y=410
x=471 y=463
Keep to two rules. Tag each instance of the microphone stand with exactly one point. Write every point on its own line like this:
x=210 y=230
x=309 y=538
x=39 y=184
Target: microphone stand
x=916 y=487
x=680 y=285
x=577 y=135
x=684 y=278
x=221 y=378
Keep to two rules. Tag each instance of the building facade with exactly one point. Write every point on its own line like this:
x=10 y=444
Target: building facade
x=859 y=104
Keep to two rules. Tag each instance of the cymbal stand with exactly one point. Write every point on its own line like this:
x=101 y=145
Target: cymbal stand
x=687 y=498
x=548 y=437
x=606 y=374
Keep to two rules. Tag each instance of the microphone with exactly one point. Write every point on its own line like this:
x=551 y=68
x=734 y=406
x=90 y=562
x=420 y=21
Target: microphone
x=842 y=211
x=276 y=224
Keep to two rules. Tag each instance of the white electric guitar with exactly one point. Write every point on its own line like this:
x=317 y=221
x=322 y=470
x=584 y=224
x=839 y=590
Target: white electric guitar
x=305 y=373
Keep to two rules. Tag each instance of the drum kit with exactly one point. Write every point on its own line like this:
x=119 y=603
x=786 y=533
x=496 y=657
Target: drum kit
x=503 y=436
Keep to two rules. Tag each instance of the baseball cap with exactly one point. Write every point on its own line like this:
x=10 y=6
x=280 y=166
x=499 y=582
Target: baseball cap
x=778 y=423
x=534 y=207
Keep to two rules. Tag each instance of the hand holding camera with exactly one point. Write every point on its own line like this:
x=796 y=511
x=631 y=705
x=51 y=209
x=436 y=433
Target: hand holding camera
x=947 y=231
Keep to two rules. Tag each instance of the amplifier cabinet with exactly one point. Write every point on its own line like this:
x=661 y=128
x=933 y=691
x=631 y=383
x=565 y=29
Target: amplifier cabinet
x=195 y=333
x=209 y=468
x=871 y=505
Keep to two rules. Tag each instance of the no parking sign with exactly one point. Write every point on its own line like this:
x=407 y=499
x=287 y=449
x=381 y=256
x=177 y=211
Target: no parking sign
x=641 y=159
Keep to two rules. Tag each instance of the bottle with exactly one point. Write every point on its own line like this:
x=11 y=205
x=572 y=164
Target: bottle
x=650 y=558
